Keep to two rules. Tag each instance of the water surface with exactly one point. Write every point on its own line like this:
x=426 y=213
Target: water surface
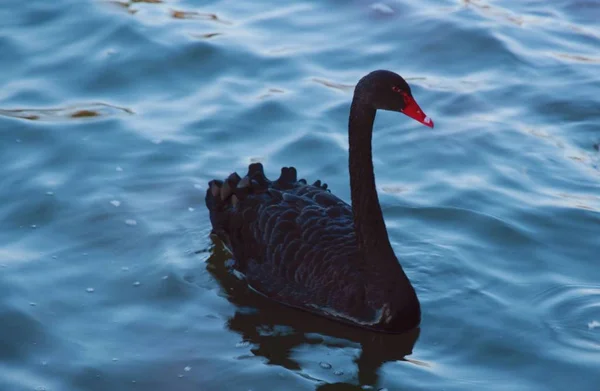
x=115 y=115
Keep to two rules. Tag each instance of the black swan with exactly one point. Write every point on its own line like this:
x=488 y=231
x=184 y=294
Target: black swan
x=302 y=246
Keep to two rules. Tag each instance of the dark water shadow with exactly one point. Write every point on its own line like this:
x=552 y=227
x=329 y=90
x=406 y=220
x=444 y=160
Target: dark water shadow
x=276 y=330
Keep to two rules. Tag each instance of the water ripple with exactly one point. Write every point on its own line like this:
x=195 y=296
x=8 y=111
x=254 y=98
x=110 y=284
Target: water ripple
x=571 y=313
x=194 y=15
x=70 y=112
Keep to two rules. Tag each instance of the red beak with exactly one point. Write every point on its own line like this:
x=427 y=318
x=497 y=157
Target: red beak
x=413 y=110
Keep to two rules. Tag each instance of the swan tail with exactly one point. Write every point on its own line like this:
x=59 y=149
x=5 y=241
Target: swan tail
x=230 y=191
x=228 y=199
x=224 y=197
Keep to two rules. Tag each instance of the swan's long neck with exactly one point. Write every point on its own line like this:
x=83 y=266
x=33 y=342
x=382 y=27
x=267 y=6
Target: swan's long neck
x=369 y=224
x=387 y=288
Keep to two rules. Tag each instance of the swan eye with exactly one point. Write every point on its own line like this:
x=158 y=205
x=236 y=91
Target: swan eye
x=396 y=89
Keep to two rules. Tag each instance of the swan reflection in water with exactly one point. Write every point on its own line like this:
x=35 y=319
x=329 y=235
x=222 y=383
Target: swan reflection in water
x=276 y=330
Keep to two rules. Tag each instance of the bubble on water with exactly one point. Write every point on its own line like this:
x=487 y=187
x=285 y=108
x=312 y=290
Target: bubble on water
x=191 y=209
x=115 y=359
x=325 y=365
x=338 y=373
x=180 y=376
x=187 y=369
x=157 y=141
x=44 y=363
x=165 y=277
x=124 y=268
x=593 y=324
x=54 y=257
x=115 y=203
x=90 y=290
x=137 y=283
x=119 y=169
x=198 y=186
x=130 y=222
x=49 y=193
x=33 y=226
x=33 y=304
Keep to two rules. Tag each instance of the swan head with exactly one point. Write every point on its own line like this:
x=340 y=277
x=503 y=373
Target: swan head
x=386 y=90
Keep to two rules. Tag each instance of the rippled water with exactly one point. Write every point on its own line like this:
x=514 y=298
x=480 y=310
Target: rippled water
x=114 y=116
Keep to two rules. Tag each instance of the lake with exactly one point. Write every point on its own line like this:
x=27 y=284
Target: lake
x=114 y=116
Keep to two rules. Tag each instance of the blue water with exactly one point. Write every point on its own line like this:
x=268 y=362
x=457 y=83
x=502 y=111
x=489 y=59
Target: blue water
x=115 y=115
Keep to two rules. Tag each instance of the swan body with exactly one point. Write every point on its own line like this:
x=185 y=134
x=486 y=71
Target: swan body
x=300 y=245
